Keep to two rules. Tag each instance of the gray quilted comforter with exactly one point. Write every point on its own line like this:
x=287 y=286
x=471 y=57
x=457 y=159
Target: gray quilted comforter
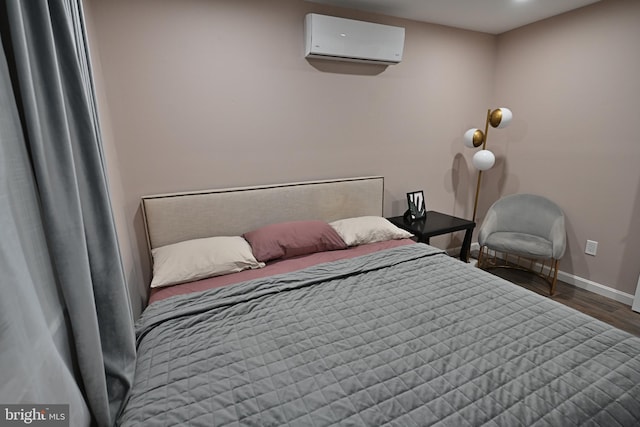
x=403 y=337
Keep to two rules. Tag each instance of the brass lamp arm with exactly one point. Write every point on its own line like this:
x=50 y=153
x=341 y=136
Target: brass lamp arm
x=486 y=131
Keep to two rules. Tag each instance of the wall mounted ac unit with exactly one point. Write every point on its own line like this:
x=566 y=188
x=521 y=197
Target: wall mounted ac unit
x=329 y=37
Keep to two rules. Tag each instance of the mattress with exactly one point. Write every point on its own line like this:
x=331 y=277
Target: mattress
x=278 y=266
x=404 y=336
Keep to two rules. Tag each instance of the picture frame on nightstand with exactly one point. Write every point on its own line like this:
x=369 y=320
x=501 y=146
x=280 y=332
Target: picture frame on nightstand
x=417 y=208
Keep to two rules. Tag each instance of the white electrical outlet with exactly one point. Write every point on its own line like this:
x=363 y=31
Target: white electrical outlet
x=592 y=247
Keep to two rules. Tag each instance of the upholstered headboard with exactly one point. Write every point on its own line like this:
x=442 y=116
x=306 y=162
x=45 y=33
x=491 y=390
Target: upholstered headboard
x=172 y=218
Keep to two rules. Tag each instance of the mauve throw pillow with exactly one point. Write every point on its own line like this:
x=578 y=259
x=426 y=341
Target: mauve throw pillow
x=290 y=239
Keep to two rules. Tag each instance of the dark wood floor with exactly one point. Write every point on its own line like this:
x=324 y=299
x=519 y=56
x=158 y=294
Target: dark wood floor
x=605 y=309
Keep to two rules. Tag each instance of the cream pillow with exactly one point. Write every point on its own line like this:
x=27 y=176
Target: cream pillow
x=200 y=258
x=368 y=229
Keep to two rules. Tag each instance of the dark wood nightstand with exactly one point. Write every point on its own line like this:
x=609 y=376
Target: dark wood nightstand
x=435 y=224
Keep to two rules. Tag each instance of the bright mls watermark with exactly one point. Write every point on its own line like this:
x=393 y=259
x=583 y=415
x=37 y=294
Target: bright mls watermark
x=34 y=415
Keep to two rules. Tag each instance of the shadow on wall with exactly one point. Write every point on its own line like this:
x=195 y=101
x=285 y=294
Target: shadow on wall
x=344 y=67
x=498 y=181
x=457 y=180
x=145 y=257
x=493 y=184
x=463 y=184
x=568 y=262
x=631 y=258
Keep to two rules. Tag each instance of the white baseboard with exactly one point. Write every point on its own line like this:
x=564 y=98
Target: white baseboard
x=573 y=280
x=596 y=288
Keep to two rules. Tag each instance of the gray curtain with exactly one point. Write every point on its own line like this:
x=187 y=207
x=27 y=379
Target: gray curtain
x=64 y=306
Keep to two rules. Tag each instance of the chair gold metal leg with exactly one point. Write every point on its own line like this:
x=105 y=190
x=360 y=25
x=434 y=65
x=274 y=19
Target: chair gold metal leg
x=480 y=257
x=539 y=267
x=555 y=277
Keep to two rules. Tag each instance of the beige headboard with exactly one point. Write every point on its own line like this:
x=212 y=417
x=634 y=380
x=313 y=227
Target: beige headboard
x=172 y=218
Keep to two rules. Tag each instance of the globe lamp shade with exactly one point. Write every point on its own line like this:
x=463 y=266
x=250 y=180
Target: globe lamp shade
x=501 y=117
x=473 y=138
x=483 y=160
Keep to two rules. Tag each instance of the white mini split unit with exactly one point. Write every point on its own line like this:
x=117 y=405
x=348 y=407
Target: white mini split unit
x=340 y=39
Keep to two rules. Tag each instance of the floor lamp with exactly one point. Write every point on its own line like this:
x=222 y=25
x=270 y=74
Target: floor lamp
x=474 y=138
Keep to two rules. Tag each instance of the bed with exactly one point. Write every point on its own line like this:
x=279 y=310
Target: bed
x=382 y=331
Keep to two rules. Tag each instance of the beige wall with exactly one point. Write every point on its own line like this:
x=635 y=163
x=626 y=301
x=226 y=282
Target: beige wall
x=209 y=94
x=573 y=84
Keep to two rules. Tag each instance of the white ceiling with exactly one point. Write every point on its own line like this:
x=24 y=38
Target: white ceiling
x=487 y=16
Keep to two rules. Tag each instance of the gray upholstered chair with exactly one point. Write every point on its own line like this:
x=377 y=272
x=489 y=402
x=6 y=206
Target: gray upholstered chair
x=527 y=226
